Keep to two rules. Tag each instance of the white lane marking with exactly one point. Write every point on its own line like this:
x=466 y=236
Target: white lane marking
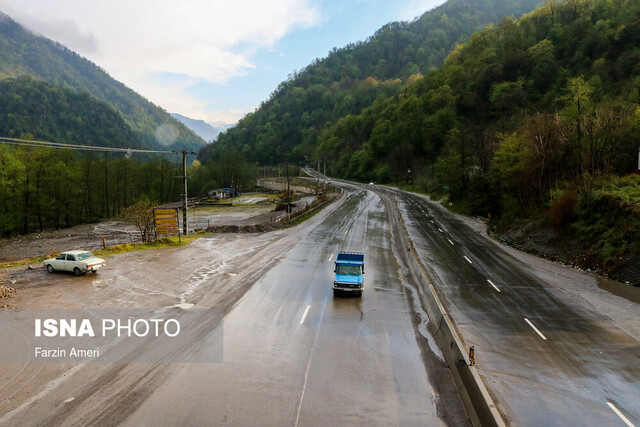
x=494 y=286
x=304 y=316
x=432 y=221
x=440 y=229
x=71 y=399
x=620 y=414
x=535 y=329
x=450 y=242
x=345 y=233
x=330 y=257
x=468 y=260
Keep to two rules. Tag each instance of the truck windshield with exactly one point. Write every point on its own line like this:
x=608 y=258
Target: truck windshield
x=351 y=270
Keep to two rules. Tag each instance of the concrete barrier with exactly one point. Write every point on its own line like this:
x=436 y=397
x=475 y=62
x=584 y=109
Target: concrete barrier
x=475 y=397
x=282 y=186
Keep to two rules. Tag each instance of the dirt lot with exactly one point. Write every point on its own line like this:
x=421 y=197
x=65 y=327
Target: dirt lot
x=89 y=236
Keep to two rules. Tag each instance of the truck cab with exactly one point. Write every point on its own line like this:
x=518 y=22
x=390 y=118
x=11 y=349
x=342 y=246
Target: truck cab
x=349 y=270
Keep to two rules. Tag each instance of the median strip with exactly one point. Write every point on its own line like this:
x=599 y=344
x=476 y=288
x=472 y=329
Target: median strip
x=535 y=329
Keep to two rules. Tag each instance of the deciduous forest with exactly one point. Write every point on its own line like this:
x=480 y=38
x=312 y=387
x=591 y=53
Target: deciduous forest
x=532 y=119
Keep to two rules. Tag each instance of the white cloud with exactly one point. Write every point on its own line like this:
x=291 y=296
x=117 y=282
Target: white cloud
x=137 y=39
x=415 y=8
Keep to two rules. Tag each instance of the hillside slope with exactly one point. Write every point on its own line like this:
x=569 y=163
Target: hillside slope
x=24 y=53
x=286 y=126
x=532 y=122
x=38 y=110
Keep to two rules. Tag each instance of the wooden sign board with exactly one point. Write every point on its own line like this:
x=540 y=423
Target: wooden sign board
x=166 y=221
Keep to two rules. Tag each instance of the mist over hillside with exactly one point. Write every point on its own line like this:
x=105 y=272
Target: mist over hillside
x=205 y=130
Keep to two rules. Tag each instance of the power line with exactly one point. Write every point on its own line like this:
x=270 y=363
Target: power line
x=60 y=145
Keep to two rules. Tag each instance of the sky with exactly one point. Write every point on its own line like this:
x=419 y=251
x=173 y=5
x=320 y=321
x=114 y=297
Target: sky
x=213 y=60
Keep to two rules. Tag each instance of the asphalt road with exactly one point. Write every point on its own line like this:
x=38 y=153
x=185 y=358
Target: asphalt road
x=547 y=357
x=295 y=355
x=292 y=353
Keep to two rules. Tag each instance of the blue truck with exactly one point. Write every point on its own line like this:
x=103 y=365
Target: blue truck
x=349 y=271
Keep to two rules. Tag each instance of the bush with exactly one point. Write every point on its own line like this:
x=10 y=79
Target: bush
x=562 y=211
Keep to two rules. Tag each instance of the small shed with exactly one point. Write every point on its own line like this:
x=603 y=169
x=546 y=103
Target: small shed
x=223 y=193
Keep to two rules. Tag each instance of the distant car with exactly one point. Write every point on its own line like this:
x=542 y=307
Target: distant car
x=78 y=262
x=371 y=184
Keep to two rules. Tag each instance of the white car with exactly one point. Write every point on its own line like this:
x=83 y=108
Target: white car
x=79 y=262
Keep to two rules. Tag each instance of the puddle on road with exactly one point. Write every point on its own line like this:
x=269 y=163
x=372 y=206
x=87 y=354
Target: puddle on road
x=424 y=322
x=623 y=290
x=184 y=305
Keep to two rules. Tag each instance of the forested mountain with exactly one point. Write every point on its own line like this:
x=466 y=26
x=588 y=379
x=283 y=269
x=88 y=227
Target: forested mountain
x=24 y=53
x=38 y=110
x=536 y=118
x=533 y=122
x=286 y=126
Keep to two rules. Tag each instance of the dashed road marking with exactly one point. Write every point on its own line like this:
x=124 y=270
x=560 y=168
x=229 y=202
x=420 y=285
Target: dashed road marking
x=440 y=229
x=620 y=414
x=330 y=258
x=468 y=260
x=304 y=316
x=535 y=329
x=494 y=286
x=450 y=242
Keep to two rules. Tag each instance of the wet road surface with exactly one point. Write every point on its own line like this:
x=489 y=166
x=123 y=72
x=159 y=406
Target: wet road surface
x=293 y=354
x=545 y=357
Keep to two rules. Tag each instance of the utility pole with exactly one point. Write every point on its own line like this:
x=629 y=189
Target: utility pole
x=288 y=189
x=639 y=159
x=325 y=166
x=185 y=227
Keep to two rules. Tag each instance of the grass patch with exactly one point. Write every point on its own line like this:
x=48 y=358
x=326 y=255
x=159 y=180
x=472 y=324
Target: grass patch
x=25 y=261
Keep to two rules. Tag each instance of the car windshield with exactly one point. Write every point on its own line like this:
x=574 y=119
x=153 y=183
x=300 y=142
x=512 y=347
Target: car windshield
x=351 y=270
x=85 y=255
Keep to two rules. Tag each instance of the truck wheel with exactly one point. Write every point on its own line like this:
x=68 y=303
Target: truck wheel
x=77 y=271
x=50 y=268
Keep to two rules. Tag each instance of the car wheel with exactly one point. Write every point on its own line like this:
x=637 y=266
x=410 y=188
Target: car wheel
x=77 y=271
x=50 y=268
x=360 y=294
x=335 y=292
